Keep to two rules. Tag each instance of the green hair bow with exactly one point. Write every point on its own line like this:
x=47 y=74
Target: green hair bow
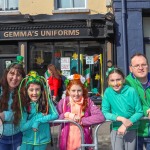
x=109 y=70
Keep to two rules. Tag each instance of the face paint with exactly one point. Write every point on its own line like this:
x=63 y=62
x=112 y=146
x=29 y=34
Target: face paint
x=111 y=84
x=39 y=93
x=119 y=83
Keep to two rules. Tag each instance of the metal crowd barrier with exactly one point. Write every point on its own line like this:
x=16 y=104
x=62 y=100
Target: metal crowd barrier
x=83 y=145
x=95 y=143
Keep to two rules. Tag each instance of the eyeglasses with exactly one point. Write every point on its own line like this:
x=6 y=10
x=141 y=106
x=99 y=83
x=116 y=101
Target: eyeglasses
x=138 y=66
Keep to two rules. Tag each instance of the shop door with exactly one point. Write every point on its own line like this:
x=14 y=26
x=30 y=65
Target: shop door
x=5 y=62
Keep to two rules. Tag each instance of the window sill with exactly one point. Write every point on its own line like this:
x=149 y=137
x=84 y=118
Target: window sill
x=71 y=11
x=16 y=12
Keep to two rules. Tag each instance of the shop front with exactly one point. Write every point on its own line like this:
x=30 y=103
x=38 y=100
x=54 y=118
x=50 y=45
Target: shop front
x=74 y=44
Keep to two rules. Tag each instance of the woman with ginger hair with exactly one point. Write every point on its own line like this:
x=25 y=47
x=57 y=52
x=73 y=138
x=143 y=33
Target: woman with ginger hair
x=76 y=106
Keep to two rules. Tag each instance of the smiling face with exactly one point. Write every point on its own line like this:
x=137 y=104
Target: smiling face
x=139 y=67
x=75 y=92
x=13 y=78
x=116 y=81
x=34 y=92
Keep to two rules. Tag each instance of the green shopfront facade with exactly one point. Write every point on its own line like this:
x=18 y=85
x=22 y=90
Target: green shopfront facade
x=74 y=43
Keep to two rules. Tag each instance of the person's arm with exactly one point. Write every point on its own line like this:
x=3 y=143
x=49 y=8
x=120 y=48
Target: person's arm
x=95 y=116
x=59 y=108
x=106 y=109
x=56 y=86
x=146 y=110
x=138 y=108
x=8 y=115
x=27 y=124
x=63 y=114
x=2 y=116
x=52 y=115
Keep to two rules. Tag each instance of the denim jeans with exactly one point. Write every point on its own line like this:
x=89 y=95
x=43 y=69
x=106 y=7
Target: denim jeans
x=11 y=142
x=143 y=141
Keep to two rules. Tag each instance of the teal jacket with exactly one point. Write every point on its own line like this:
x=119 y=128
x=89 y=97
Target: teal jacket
x=144 y=95
x=38 y=121
x=125 y=104
x=9 y=127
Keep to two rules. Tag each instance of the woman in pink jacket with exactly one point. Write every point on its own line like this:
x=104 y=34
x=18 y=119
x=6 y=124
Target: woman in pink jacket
x=79 y=108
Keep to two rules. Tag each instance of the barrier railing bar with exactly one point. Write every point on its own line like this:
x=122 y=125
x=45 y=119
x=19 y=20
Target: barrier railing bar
x=99 y=125
x=80 y=128
x=96 y=136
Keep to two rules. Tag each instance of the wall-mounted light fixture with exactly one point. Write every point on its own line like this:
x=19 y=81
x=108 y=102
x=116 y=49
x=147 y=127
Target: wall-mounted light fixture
x=109 y=16
x=29 y=17
x=89 y=25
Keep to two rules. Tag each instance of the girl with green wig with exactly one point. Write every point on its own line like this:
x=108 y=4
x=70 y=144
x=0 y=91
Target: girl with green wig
x=37 y=113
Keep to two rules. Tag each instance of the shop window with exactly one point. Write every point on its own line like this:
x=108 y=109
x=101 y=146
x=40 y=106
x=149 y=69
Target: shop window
x=8 y=5
x=40 y=55
x=90 y=61
x=67 y=4
x=84 y=57
x=8 y=49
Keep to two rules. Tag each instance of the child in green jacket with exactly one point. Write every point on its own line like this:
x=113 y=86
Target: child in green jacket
x=36 y=115
x=121 y=105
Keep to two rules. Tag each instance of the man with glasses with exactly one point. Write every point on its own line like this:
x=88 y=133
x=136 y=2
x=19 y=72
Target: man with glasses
x=139 y=78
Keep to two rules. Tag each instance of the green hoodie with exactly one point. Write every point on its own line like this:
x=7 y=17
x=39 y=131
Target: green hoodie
x=144 y=95
x=125 y=104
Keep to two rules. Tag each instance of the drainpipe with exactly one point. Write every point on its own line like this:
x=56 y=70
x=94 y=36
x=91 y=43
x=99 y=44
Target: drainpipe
x=124 y=36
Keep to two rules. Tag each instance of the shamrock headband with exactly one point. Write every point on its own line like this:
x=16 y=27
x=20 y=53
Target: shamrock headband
x=19 y=60
x=113 y=69
x=76 y=77
x=33 y=77
x=109 y=70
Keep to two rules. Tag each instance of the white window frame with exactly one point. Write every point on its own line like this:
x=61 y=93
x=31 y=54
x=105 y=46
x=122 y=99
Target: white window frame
x=56 y=4
x=5 y=6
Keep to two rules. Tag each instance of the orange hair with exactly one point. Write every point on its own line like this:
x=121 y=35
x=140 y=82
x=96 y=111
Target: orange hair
x=85 y=91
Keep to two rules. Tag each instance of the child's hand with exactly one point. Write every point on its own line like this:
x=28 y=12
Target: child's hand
x=122 y=130
x=127 y=122
x=54 y=98
x=34 y=129
x=77 y=118
x=148 y=113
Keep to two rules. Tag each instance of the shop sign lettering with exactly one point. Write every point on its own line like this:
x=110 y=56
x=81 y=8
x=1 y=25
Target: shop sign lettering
x=41 y=33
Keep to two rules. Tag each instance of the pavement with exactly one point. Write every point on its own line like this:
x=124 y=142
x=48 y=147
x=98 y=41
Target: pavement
x=103 y=137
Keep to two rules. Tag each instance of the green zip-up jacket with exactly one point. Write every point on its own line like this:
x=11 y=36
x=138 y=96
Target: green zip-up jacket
x=125 y=104
x=144 y=95
x=38 y=121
